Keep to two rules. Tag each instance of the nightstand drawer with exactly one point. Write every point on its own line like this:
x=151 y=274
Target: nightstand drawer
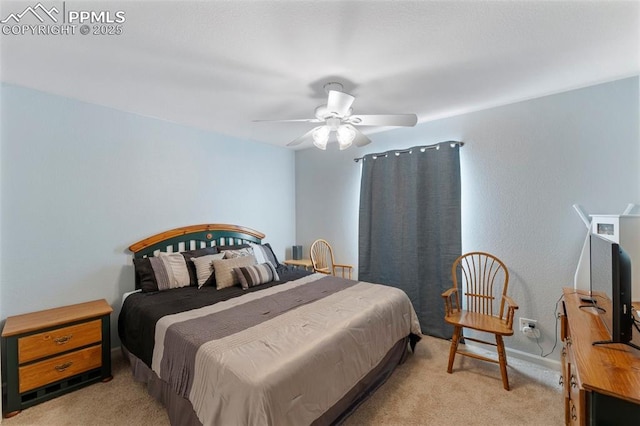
x=60 y=367
x=60 y=340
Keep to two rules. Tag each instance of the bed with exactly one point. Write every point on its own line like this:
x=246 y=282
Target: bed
x=271 y=345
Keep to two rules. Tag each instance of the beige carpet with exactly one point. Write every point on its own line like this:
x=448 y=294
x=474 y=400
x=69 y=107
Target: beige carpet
x=420 y=392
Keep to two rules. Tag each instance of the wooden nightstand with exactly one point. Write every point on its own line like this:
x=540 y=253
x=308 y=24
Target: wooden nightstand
x=49 y=353
x=300 y=263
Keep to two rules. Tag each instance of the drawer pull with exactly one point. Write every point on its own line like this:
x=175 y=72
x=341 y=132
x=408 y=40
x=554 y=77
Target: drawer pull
x=561 y=381
x=64 y=366
x=573 y=381
x=62 y=340
x=573 y=412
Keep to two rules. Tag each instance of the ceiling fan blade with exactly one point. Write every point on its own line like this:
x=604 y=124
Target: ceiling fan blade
x=403 y=120
x=298 y=120
x=303 y=138
x=339 y=103
x=360 y=139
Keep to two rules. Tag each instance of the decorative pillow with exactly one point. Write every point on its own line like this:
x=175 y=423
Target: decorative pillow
x=145 y=278
x=152 y=274
x=176 y=267
x=230 y=254
x=251 y=276
x=204 y=268
x=190 y=254
x=225 y=276
x=259 y=253
x=270 y=255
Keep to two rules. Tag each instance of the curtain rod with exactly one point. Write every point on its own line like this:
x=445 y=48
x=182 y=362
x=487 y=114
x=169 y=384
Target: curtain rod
x=407 y=151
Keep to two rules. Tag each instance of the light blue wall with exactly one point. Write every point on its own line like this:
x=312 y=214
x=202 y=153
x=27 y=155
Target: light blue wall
x=523 y=167
x=80 y=183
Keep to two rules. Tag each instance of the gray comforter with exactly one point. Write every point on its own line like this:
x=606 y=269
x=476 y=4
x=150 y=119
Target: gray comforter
x=283 y=355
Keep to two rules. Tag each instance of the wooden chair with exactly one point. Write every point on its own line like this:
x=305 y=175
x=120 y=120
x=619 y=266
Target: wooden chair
x=484 y=278
x=323 y=262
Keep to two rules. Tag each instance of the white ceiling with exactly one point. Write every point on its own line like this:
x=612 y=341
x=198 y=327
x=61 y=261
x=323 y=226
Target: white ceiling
x=219 y=65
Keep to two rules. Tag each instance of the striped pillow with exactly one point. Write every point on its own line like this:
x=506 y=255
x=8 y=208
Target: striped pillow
x=161 y=273
x=204 y=268
x=224 y=270
x=176 y=271
x=251 y=276
x=263 y=253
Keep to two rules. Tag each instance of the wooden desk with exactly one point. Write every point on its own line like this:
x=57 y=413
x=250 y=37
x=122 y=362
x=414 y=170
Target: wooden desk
x=602 y=383
x=300 y=263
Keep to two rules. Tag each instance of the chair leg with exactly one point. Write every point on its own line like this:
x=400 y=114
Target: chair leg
x=454 y=347
x=502 y=357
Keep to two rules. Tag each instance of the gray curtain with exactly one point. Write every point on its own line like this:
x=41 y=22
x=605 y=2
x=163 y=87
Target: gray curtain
x=409 y=232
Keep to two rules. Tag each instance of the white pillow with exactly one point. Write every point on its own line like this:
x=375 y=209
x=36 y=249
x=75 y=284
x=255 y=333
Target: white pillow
x=176 y=268
x=204 y=266
x=258 y=252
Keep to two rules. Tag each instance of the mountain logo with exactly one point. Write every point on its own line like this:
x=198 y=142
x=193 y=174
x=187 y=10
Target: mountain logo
x=39 y=11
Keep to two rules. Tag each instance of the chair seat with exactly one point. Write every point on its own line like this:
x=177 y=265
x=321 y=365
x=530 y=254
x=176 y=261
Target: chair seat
x=480 y=322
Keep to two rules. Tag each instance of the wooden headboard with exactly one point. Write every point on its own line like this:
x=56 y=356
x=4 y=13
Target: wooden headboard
x=195 y=237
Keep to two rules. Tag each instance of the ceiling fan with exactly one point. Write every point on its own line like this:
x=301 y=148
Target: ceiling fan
x=337 y=116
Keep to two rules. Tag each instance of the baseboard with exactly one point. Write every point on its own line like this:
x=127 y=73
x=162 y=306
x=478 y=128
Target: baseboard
x=549 y=364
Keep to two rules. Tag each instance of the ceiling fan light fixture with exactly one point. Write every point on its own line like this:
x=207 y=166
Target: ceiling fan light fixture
x=333 y=123
x=346 y=133
x=321 y=137
x=336 y=116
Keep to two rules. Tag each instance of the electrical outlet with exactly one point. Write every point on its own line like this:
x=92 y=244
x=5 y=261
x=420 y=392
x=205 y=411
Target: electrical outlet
x=529 y=327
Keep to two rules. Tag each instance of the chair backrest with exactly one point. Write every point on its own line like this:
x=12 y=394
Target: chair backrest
x=484 y=278
x=322 y=257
